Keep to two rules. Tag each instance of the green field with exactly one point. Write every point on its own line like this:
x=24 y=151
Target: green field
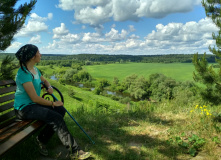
x=177 y=71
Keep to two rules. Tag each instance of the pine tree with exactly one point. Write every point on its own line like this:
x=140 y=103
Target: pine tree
x=7 y=68
x=204 y=72
x=11 y=20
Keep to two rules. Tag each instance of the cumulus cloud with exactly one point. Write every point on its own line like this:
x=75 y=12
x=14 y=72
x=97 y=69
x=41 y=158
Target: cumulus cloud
x=70 y=38
x=14 y=47
x=35 y=24
x=60 y=31
x=185 y=38
x=92 y=37
x=185 y=33
x=113 y=35
x=35 y=40
x=97 y=12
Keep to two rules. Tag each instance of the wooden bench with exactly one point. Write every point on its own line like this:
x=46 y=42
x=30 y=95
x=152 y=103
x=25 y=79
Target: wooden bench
x=12 y=130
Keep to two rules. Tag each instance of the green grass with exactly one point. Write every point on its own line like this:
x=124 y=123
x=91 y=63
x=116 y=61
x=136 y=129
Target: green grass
x=177 y=71
x=48 y=70
x=135 y=131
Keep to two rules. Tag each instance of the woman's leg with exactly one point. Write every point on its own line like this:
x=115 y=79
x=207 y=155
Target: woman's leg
x=48 y=131
x=52 y=118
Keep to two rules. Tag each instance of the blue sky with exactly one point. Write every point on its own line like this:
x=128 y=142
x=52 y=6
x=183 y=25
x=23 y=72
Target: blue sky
x=133 y=27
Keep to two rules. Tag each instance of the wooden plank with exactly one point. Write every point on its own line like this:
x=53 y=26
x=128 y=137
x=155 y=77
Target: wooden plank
x=7 y=89
x=8 y=131
x=6 y=116
x=7 y=82
x=20 y=136
x=7 y=98
x=6 y=106
x=12 y=123
x=9 y=122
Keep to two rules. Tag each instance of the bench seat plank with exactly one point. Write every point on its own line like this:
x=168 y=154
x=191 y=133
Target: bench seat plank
x=8 y=131
x=20 y=136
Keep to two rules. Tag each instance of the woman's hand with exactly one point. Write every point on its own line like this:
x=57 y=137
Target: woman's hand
x=50 y=90
x=58 y=104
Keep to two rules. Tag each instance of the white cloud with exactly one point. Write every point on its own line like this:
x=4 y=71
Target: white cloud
x=35 y=40
x=14 y=47
x=113 y=35
x=70 y=38
x=185 y=38
x=35 y=24
x=131 y=28
x=50 y=16
x=60 y=31
x=93 y=16
x=97 y=12
x=92 y=37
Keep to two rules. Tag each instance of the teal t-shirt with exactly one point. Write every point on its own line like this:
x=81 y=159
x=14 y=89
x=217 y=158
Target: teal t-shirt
x=22 y=99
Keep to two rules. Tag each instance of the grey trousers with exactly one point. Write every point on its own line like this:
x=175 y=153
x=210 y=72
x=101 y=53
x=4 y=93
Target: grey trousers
x=53 y=117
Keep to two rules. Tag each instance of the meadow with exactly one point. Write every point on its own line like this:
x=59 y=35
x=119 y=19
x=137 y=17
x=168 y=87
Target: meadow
x=167 y=130
x=177 y=71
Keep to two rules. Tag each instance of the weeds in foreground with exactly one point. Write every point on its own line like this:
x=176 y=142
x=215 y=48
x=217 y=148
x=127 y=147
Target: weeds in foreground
x=192 y=144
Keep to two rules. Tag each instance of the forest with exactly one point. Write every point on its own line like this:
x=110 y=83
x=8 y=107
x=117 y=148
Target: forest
x=103 y=58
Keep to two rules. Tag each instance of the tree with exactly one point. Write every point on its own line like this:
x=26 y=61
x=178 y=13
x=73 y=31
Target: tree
x=204 y=72
x=11 y=20
x=140 y=88
x=7 y=67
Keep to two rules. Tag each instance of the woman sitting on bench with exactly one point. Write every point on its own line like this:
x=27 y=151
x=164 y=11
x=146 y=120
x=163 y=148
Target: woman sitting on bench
x=29 y=105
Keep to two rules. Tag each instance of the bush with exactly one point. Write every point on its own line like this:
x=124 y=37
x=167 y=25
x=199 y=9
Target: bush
x=125 y=100
x=161 y=87
x=82 y=76
x=71 y=93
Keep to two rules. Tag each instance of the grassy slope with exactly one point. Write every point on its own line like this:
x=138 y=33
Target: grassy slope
x=178 y=71
x=136 y=131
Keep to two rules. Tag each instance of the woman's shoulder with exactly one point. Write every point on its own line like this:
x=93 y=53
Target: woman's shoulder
x=22 y=72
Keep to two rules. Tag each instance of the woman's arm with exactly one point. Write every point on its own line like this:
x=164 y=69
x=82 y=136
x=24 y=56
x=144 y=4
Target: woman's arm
x=50 y=89
x=29 y=88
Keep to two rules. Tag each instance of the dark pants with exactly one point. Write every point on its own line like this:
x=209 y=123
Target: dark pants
x=53 y=117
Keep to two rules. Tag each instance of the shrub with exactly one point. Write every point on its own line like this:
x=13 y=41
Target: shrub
x=125 y=100
x=71 y=93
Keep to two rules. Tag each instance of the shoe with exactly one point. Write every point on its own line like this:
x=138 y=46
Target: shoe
x=41 y=147
x=80 y=155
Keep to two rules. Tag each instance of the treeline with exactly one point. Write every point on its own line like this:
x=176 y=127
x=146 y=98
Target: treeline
x=102 y=58
x=171 y=58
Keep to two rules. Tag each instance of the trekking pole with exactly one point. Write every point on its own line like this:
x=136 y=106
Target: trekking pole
x=70 y=115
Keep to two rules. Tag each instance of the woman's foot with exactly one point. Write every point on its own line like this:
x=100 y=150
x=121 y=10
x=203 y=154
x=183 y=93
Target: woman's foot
x=41 y=147
x=80 y=154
